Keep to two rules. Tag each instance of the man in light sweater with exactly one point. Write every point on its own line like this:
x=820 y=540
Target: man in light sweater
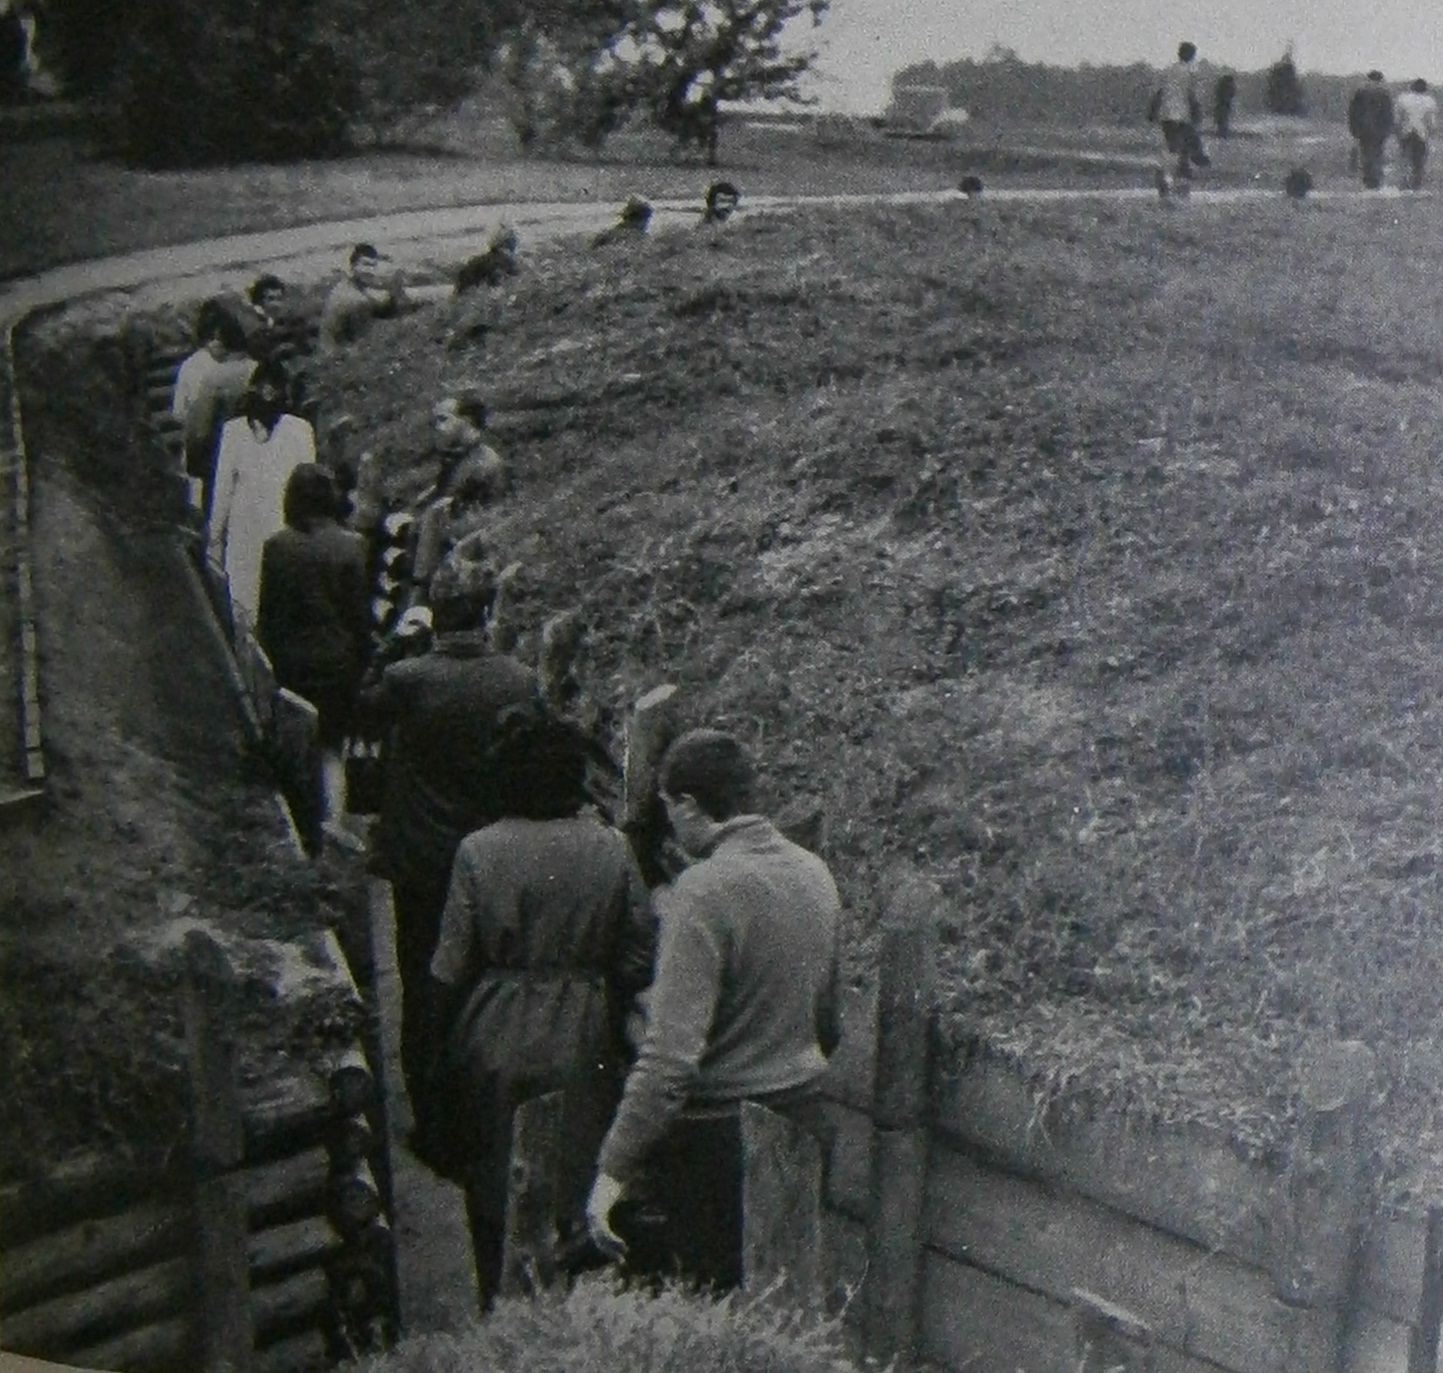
x=1415 y=117
x=743 y=1007
x=1178 y=111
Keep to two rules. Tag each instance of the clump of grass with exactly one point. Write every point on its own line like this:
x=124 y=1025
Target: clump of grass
x=603 y=1326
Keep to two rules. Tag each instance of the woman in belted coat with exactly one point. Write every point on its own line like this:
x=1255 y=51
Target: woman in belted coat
x=545 y=942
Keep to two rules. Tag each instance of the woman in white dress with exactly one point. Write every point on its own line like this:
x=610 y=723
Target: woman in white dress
x=258 y=453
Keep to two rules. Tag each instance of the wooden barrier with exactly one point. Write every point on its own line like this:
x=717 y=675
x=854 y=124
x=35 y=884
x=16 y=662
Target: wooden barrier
x=781 y=1208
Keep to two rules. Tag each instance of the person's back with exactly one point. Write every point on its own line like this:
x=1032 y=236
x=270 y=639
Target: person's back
x=442 y=708
x=1415 y=114
x=1370 y=113
x=313 y=620
x=1178 y=104
x=773 y=907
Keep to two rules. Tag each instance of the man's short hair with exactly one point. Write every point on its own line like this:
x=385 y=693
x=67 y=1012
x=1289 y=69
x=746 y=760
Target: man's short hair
x=266 y=282
x=714 y=769
x=462 y=592
x=363 y=250
x=1375 y=75
x=721 y=190
x=471 y=406
x=1420 y=85
x=1186 y=52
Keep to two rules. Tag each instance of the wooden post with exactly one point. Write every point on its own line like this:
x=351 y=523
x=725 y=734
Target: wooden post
x=1423 y=1336
x=528 y=1258
x=891 y=1311
x=652 y=727
x=224 y=1333
x=1108 y=1338
x=781 y=1207
x=502 y=624
x=1322 y=1196
x=561 y=639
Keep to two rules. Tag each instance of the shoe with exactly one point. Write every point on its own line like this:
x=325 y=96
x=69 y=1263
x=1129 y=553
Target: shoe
x=339 y=835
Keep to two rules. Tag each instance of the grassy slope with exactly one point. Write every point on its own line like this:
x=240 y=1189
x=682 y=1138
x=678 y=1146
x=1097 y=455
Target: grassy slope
x=62 y=205
x=1086 y=556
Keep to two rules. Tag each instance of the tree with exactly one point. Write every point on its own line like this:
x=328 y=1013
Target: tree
x=1284 y=91
x=684 y=58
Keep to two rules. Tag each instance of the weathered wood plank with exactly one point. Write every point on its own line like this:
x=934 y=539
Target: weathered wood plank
x=849 y=1171
x=159 y=1348
x=528 y=1259
x=90 y=1252
x=1206 y=1305
x=280 y=1310
x=1379 y=1345
x=286 y=1249
x=85 y=1187
x=287 y=1190
x=299 y=1354
x=53 y=1329
x=781 y=1207
x=1392 y=1267
x=1188 y=1182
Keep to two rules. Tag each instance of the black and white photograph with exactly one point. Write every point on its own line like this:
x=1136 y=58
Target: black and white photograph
x=725 y=686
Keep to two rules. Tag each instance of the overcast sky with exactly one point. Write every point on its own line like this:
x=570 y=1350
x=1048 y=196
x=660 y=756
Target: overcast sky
x=864 y=41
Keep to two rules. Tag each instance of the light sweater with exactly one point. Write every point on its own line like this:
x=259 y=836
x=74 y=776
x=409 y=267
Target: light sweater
x=743 y=1005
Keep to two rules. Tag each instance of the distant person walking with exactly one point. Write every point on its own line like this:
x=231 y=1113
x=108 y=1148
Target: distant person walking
x=1370 y=121
x=1225 y=93
x=1178 y=112
x=1415 y=118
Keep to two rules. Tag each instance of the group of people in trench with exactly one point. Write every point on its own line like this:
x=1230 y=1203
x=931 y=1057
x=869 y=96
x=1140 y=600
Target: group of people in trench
x=1375 y=114
x=533 y=954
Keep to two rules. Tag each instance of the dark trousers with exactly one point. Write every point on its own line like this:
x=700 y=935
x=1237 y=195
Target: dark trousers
x=418 y=907
x=1370 y=154
x=1415 y=149
x=684 y=1219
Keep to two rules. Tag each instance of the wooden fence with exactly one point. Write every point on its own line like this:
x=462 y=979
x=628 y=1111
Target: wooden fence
x=997 y=1235
x=263 y=1245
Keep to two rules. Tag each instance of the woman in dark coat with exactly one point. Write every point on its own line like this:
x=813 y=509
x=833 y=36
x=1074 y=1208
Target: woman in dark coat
x=314 y=616
x=545 y=942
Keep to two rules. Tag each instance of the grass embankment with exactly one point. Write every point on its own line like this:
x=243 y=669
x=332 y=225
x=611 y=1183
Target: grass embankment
x=63 y=205
x=1087 y=557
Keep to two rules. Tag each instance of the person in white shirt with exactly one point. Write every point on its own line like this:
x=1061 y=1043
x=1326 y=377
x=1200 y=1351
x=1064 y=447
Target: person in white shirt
x=1178 y=110
x=208 y=387
x=1415 y=117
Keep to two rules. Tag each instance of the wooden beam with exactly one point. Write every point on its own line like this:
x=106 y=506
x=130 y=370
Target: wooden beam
x=528 y=1260
x=781 y=1207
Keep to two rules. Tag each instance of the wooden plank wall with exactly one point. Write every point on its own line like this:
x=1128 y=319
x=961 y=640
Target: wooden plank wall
x=1172 y=1225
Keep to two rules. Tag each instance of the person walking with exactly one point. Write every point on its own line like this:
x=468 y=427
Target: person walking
x=1225 y=93
x=1178 y=112
x=209 y=387
x=1415 y=118
x=1370 y=121
x=545 y=941
x=314 y=620
x=437 y=715
x=258 y=452
x=743 y=1007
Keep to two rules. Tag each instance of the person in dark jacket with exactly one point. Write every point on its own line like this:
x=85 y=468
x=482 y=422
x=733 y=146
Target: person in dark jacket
x=437 y=714
x=314 y=617
x=545 y=942
x=1370 y=121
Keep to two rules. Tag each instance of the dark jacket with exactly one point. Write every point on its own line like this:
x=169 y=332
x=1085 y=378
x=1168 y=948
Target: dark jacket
x=314 y=618
x=437 y=714
x=1370 y=113
x=546 y=939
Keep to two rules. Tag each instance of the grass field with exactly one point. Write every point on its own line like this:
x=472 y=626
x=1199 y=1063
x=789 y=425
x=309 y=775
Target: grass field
x=61 y=204
x=1088 y=557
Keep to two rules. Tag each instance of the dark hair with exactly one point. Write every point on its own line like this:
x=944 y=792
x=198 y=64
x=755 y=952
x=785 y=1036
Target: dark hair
x=718 y=189
x=471 y=406
x=462 y=593
x=1375 y=75
x=713 y=768
x=363 y=250
x=267 y=373
x=1186 y=52
x=1419 y=85
x=311 y=497
x=215 y=321
x=540 y=764
x=268 y=281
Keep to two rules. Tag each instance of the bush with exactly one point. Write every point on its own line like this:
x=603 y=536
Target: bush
x=253 y=82
x=601 y=1327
